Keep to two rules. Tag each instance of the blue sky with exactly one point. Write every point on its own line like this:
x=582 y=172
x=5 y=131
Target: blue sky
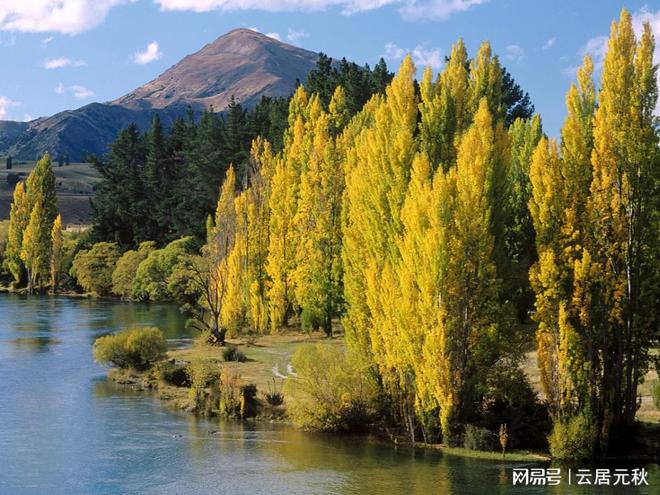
x=62 y=54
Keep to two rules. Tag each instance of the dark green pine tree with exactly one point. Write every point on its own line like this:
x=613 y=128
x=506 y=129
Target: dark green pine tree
x=117 y=205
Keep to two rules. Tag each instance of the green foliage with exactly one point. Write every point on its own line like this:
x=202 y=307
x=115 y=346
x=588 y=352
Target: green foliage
x=173 y=373
x=126 y=269
x=330 y=391
x=572 y=439
x=93 y=267
x=656 y=394
x=476 y=438
x=204 y=385
x=154 y=280
x=231 y=353
x=138 y=348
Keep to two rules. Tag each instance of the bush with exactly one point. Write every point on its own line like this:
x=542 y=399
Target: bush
x=331 y=392
x=510 y=399
x=173 y=374
x=204 y=385
x=572 y=439
x=93 y=268
x=273 y=397
x=655 y=391
x=231 y=353
x=476 y=438
x=310 y=320
x=137 y=348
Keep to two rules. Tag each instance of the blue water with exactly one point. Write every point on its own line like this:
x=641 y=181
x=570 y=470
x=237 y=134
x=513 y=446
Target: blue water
x=64 y=429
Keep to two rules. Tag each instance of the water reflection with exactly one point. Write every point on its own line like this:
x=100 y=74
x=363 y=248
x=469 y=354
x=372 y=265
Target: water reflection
x=64 y=429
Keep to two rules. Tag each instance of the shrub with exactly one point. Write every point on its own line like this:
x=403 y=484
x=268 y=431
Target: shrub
x=331 y=392
x=572 y=439
x=93 y=268
x=476 y=438
x=204 y=385
x=137 y=348
x=231 y=353
x=273 y=397
x=126 y=268
x=231 y=396
x=656 y=394
x=248 y=401
x=510 y=399
x=310 y=320
x=173 y=374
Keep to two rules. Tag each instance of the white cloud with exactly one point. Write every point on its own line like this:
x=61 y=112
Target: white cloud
x=79 y=92
x=514 y=53
x=63 y=16
x=148 y=55
x=296 y=35
x=422 y=56
x=58 y=63
x=27 y=117
x=408 y=9
x=437 y=10
x=550 y=43
x=275 y=36
x=5 y=105
x=46 y=41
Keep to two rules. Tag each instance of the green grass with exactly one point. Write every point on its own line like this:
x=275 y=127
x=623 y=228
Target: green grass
x=78 y=178
x=514 y=456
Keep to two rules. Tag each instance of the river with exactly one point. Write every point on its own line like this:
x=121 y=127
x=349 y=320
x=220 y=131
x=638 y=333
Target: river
x=64 y=429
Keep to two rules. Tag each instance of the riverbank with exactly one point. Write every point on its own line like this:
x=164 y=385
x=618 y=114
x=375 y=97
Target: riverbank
x=267 y=366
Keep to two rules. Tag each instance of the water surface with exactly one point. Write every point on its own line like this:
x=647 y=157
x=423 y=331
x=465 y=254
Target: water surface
x=64 y=429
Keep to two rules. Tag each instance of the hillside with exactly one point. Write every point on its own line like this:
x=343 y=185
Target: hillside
x=242 y=63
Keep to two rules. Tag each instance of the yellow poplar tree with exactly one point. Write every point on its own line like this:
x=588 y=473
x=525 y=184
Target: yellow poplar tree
x=19 y=216
x=56 y=252
x=624 y=247
x=283 y=202
x=318 y=224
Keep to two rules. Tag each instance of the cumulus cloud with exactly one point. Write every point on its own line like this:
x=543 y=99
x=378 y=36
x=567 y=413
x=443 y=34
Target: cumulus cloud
x=79 y=92
x=150 y=54
x=63 y=16
x=550 y=43
x=408 y=9
x=514 y=53
x=5 y=105
x=59 y=62
x=422 y=56
x=295 y=35
x=275 y=36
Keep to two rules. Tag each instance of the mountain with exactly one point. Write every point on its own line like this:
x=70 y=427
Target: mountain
x=242 y=63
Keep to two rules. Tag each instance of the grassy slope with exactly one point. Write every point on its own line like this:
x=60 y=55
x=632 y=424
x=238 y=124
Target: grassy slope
x=75 y=184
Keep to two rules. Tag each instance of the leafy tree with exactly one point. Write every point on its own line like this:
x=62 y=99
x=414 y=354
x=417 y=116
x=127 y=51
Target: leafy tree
x=92 y=268
x=56 y=252
x=125 y=271
x=153 y=279
x=19 y=216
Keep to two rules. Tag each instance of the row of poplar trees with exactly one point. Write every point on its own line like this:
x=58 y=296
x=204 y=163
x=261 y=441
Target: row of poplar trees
x=422 y=220
x=33 y=253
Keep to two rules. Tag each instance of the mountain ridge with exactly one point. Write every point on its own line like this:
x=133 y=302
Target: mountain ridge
x=242 y=64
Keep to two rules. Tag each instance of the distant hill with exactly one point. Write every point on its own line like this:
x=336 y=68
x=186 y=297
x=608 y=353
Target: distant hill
x=242 y=63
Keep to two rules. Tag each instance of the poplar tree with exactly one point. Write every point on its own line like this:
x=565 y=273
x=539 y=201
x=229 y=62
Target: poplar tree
x=56 y=253
x=19 y=216
x=318 y=223
x=283 y=202
x=624 y=247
